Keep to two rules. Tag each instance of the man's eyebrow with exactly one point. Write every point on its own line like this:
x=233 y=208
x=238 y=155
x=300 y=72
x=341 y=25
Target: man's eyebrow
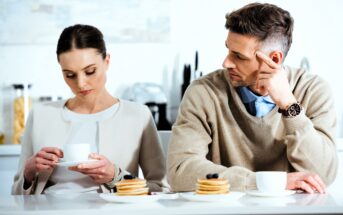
x=240 y=54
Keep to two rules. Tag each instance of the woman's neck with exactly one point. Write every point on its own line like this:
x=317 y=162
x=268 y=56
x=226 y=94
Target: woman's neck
x=91 y=105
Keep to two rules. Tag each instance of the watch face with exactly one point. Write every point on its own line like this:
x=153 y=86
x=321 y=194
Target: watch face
x=294 y=109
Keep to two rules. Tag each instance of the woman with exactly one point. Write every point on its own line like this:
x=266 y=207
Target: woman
x=122 y=134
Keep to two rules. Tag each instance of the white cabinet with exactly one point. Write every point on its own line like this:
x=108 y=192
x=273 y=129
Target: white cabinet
x=9 y=158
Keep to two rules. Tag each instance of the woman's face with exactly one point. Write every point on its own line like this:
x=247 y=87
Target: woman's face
x=84 y=70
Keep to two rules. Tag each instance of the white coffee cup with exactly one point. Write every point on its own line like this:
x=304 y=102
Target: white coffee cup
x=271 y=181
x=76 y=152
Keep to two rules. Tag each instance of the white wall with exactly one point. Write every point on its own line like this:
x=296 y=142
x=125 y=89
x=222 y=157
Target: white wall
x=195 y=25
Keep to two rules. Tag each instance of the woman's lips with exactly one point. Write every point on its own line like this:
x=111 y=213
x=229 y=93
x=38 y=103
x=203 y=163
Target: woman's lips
x=85 y=92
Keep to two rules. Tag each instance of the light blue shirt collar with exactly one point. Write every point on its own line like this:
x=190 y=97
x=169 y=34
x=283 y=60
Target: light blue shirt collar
x=248 y=96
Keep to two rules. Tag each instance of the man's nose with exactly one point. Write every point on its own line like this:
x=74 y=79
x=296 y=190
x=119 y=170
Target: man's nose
x=228 y=64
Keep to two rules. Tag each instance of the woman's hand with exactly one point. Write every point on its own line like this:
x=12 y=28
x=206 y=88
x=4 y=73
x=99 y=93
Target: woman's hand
x=308 y=182
x=101 y=171
x=45 y=159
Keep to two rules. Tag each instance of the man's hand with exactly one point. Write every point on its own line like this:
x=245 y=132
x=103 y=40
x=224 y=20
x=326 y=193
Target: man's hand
x=308 y=182
x=45 y=159
x=272 y=80
x=101 y=171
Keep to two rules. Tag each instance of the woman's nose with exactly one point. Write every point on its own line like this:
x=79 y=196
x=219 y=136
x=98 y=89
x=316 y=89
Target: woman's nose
x=81 y=82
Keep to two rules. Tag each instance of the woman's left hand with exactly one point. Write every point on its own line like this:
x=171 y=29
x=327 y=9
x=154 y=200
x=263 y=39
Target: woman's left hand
x=101 y=171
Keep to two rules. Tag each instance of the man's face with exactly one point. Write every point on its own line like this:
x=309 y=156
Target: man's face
x=241 y=61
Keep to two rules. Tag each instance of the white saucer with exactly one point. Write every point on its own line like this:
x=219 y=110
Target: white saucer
x=192 y=196
x=270 y=194
x=75 y=163
x=112 y=197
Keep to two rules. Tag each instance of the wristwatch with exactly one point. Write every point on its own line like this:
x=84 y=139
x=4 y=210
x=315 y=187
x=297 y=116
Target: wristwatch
x=291 y=111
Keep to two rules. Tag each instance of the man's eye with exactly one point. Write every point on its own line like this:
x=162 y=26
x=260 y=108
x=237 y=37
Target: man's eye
x=239 y=57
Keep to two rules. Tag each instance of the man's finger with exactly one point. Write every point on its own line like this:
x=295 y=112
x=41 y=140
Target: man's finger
x=314 y=184
x=304 y=186
x=267 y=60
x=320 y=181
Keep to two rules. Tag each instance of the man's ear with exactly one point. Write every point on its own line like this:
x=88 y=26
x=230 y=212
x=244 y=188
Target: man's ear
x=276 y=56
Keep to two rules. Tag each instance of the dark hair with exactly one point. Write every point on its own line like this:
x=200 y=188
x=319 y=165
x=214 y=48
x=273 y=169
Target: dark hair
x=264 y=21
x=81 y=36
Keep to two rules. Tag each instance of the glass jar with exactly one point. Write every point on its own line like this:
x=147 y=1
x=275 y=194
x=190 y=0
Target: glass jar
x=22 y=103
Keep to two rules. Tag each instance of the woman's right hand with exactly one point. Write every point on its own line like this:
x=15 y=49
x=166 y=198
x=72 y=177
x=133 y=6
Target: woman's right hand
x=45 y=159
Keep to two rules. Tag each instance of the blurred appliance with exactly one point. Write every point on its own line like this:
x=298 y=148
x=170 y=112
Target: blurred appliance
x=153 y=96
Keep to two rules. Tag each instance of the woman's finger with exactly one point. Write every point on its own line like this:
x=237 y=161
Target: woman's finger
x=53 y=150
x=41 y=167
x=43 y=161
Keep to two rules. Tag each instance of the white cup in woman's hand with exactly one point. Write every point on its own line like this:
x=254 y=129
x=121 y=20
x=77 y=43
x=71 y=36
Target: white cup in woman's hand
x=76 y=152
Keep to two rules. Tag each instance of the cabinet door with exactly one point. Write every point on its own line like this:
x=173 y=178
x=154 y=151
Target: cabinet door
x=8 y=168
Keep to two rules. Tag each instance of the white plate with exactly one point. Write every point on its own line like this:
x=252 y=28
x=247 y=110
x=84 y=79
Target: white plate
x=112 y=197
x=270 y=194
x=75 y=163
x=212 y=197
x=166 y=195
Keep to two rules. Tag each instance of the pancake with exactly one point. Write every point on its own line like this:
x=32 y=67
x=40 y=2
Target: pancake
x=132 y=187
x=212 y=186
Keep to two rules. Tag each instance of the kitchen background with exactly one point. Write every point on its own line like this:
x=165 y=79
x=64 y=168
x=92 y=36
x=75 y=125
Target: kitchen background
x=150 y=41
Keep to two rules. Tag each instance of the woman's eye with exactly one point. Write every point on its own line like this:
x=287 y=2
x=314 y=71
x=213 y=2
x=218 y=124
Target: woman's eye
x=70 y=75
x=90 y=72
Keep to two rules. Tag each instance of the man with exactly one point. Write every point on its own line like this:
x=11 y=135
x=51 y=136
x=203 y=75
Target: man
x=255 y=114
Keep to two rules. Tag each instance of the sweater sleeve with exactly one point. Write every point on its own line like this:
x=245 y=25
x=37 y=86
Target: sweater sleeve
x=26 y=153
x=190 y=142
x=310 y=136
x=151 y=158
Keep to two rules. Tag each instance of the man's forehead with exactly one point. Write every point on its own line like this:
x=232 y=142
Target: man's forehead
x=246 y=45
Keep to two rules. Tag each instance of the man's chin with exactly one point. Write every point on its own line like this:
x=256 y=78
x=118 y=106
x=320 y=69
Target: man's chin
x=237 y=83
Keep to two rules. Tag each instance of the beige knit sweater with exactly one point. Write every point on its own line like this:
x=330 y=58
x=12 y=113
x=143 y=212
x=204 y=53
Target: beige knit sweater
x=214 y=133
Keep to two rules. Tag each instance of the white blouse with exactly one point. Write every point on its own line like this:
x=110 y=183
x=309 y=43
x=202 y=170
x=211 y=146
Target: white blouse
x=84 y=129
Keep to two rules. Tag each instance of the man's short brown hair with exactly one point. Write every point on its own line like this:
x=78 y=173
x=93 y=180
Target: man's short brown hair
x=266 y=22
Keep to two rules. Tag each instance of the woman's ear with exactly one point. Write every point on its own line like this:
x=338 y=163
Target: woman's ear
x=107 y=60
x=276 y=56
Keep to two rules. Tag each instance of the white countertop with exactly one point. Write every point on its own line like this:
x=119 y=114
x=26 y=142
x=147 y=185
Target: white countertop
x=91 y=204
x=10 y=149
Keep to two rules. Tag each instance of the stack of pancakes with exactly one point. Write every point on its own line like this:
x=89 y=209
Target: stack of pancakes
x=132 y=187
x=212 y=186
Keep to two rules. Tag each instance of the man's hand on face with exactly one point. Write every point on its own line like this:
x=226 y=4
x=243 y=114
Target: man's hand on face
x=272 y=80
x=308 y=182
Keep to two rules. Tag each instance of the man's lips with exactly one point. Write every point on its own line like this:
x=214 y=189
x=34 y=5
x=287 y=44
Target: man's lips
x=85 y=92
x=234 y=76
